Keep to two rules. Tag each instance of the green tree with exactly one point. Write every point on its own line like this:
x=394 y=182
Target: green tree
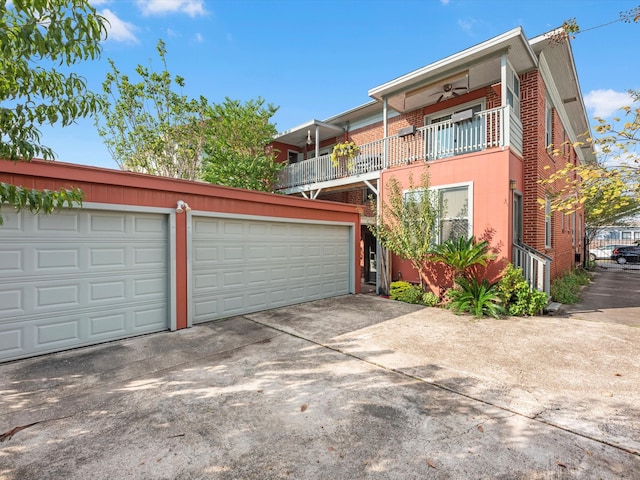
x=235 y=154
x=33 y=35
x=406 y=224
x=150 y=128
x=608 y=189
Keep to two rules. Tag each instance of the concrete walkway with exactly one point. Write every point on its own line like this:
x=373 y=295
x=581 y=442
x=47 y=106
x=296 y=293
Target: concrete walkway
x=356 y=387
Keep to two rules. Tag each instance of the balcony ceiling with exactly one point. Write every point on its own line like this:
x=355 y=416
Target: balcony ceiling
x=475 y=67
x=315 y=128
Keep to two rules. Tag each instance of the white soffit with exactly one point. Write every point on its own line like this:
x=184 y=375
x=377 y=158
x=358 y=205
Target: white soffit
x=514 y=42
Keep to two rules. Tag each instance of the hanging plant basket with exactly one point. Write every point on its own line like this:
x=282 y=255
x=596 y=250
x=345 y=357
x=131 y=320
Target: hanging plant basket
x=344 y=153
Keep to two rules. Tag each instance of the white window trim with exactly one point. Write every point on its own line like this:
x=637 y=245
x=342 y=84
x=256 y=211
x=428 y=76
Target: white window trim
x=548 y=225
x=548 y=123
x=449 y=186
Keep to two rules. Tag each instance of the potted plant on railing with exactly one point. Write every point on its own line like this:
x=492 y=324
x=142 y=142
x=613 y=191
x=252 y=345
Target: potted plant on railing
x=343 y=154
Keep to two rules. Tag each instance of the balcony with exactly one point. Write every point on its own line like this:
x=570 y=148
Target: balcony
x=495 y=128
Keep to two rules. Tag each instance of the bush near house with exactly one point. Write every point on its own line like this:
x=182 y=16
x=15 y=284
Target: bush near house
x=511 y=295
x=410 y=293
x=566 y=289
x=516 y=294
x=478 y=297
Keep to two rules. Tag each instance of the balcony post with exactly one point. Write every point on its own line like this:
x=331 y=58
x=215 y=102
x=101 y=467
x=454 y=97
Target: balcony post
x=385 y=133
x=505 y=121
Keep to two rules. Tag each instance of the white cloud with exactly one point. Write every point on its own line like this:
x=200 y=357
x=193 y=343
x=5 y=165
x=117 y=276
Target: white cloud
x=192 y=8
x=444 y=2
x=119 y=30
x=467 y=24
x=605 y=103
x=199 y=37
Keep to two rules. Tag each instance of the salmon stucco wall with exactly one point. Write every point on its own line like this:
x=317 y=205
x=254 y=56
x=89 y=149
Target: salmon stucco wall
x=488 y=174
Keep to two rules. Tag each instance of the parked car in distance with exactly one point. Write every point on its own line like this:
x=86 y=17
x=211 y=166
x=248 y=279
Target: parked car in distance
x=601 y=253
x=628 y=253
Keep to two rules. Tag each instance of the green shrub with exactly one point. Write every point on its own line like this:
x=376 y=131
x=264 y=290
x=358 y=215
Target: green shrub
x=409 y=293
x=517 y=296
x=398 y=289
x=430 y=299
x=478 y=298
x=412 y=295
x=566 y=289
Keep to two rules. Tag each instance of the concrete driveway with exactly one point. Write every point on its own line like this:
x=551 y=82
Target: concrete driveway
x=356 y=387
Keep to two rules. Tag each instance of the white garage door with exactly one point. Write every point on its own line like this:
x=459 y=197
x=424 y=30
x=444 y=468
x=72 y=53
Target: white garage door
x=80 y=277
x=241 y=266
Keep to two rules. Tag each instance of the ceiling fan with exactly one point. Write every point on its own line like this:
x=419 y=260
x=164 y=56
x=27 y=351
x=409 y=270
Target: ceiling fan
x=448 y=91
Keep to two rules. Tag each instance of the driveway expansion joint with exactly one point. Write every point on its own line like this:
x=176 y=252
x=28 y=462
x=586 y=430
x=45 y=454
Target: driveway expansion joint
x=535 y=417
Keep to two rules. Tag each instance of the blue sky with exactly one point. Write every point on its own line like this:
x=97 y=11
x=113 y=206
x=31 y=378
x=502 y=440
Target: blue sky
x=315 y=59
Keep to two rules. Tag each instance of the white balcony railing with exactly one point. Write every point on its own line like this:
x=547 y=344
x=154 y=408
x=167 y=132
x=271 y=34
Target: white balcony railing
x=493 y=128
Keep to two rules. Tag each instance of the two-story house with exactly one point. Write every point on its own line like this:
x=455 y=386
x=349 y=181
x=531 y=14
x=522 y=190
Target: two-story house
x=483 y=121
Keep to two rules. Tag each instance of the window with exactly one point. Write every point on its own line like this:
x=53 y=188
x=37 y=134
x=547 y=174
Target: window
x=636 y=235
x=547 y=222
x=549 y=124
x=513 y=94
x=626 y=235
x=292 y=156
x=453 y=215
x=454 y=210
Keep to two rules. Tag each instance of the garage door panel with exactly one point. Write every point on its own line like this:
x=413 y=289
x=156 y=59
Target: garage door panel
x=241 y=266
x=81 y=277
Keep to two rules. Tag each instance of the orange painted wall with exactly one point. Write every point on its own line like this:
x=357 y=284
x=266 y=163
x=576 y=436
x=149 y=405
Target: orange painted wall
x=126 y=188
x=489 y=173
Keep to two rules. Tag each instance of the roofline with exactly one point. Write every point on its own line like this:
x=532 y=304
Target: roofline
x=393 y=85
x=308 y=124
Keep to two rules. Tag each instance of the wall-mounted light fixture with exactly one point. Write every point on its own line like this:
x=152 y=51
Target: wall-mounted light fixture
x=182 y=207
x=512 y=184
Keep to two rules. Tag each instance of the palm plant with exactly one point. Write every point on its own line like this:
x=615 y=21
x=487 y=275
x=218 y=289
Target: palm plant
x=478 y=298
x=461 y=254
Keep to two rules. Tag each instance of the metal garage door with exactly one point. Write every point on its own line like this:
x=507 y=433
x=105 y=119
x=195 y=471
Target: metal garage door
x=80 y=277
x=240 y=265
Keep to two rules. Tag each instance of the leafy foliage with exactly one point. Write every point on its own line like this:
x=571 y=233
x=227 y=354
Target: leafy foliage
x=608 y=189
x=150 y=128
x=430 y=299
x=409 y=293
x=38 y=201
x=234 y=152
x=566 y=289
x=461 y=254
x=344 y=151
x=479 y=298
x=516 y=294
x=33 y=33
x=407 y=225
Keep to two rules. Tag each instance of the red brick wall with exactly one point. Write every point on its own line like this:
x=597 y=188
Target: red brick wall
x=540 y=163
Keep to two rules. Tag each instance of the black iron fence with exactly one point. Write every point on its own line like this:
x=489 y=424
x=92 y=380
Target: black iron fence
x=600 y=255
